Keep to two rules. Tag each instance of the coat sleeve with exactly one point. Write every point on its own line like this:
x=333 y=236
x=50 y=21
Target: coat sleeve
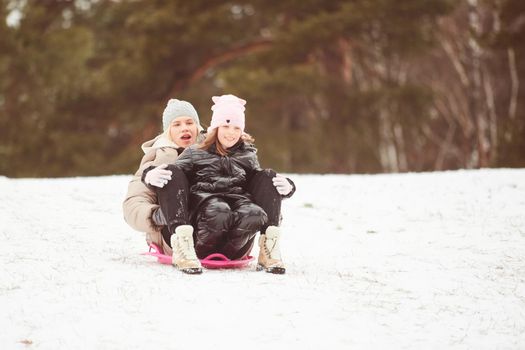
x=141 y=201
x=139 y=205
x=185 y=161
x=252 y=163
x=255 y=167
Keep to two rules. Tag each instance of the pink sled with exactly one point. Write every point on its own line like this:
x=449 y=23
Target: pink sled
x=212 y=261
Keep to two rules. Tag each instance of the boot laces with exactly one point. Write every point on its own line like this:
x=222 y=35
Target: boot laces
x=269 y=245
x=187 y=250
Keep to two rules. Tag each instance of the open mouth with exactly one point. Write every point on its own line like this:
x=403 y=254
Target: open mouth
x=185 y=137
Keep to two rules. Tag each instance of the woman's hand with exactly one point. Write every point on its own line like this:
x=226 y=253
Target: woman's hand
x=158 y=176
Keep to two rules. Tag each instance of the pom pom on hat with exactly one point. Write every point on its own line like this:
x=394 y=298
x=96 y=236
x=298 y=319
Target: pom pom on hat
x=178 y=108
x=227 y=110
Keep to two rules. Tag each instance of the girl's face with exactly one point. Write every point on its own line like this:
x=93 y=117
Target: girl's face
x=228 y=135
x=183 y=131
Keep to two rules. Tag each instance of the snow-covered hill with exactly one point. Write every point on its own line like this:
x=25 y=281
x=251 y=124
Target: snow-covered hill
x=412 y=261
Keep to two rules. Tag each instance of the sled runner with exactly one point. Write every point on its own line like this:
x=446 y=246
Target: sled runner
x=219 y=261
x=155 y=251
x=212 y=261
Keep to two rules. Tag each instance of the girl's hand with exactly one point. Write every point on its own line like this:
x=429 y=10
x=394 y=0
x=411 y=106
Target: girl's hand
x=158 y=176
x=282 y=185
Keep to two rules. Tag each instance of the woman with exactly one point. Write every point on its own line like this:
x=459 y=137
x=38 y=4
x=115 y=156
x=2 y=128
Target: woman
x=181 y=127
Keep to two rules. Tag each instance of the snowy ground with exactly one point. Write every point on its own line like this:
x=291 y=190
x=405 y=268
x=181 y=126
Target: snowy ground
x=412 y=261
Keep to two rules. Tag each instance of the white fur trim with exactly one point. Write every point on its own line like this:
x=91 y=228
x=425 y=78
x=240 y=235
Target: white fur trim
x=158 y=142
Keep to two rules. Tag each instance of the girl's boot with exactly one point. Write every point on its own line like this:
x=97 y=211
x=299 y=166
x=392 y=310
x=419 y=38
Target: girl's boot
x=184 y=257
x=269 y=252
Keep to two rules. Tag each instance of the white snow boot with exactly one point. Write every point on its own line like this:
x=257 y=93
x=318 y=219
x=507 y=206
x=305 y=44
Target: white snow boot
x=184 y=257
x=269 y=252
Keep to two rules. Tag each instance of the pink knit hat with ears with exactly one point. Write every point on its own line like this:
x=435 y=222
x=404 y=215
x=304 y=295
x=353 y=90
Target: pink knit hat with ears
x=227 y=110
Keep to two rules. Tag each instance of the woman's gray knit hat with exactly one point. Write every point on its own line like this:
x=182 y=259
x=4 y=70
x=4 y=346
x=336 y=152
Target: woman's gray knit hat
x=178 y=108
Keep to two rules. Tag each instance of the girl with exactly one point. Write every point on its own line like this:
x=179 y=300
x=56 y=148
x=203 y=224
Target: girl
x=222 y=210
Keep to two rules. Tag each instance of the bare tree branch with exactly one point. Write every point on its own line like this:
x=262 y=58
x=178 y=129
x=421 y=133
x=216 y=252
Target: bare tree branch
x=515 y=83
x=224 y=57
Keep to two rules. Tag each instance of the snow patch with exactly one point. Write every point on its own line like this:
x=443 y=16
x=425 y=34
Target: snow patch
x=407 y=261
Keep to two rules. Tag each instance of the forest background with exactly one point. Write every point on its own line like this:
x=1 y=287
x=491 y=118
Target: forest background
x=355 y=86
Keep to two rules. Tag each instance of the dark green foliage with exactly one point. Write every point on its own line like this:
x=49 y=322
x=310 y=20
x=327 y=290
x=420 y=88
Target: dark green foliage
x=83 y=84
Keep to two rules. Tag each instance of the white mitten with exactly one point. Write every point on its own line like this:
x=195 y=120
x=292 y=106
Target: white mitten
x=282 y=185
x=158 y=176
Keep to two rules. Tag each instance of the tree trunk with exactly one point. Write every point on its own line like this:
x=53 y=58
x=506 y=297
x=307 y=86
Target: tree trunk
x=479 y=114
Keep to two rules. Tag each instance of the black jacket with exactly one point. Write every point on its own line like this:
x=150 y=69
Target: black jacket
x=212 y=175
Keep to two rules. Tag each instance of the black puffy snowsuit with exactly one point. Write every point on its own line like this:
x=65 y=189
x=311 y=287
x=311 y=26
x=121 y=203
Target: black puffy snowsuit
x=221 y=210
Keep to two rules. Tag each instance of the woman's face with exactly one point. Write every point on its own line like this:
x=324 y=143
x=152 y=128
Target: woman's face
x=228 y=135
x=183 y=131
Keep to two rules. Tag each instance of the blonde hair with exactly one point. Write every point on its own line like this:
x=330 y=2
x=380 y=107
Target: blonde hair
x=212 y=138
x=167 y=134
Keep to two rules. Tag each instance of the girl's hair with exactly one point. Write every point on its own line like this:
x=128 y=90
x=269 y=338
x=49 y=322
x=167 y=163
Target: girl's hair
x=211 y=138
x=167 y=134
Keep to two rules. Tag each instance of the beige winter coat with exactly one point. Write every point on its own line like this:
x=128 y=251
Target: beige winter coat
x=141 y=201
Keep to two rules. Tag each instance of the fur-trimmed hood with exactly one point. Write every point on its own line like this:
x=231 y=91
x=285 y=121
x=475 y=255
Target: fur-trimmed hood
x=158 y=142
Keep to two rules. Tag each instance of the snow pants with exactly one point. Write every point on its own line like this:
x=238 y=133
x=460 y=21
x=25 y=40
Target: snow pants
x=173 y=200
x=227 y=226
